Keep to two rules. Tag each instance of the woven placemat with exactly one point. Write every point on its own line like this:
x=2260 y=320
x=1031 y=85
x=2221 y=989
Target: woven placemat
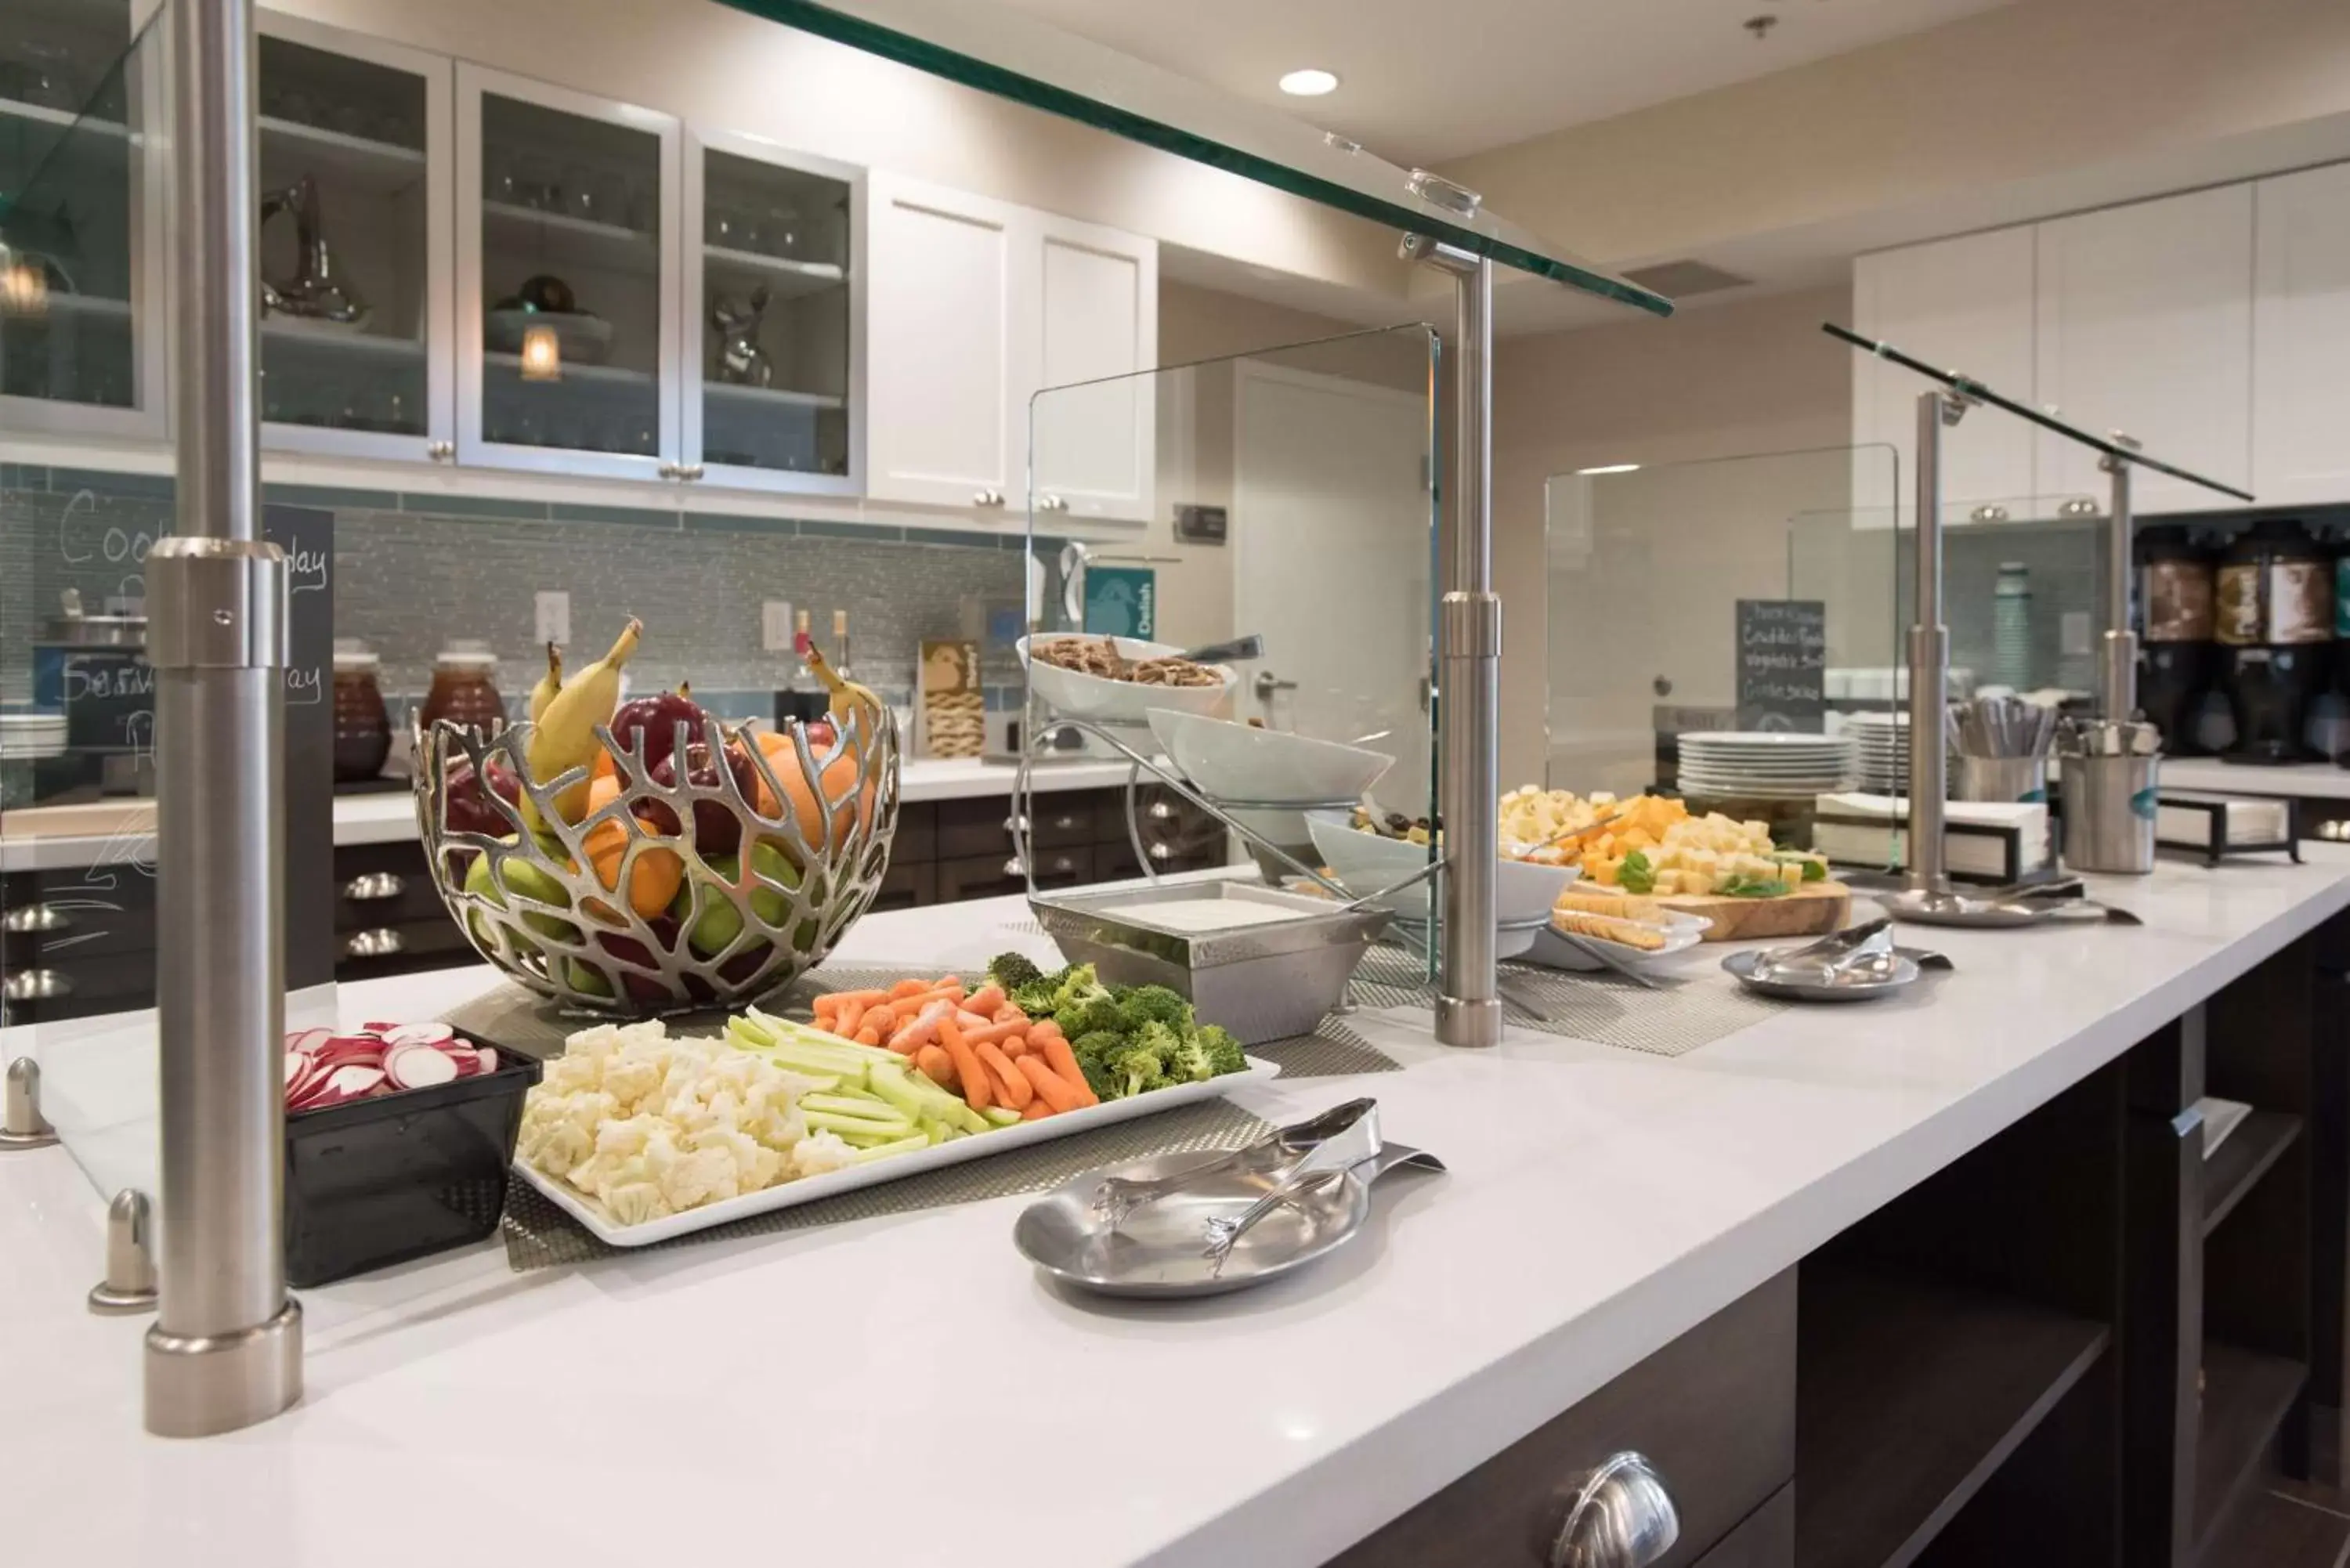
x=1332 y=1051
x=538 y=1235
x=1680 y=1014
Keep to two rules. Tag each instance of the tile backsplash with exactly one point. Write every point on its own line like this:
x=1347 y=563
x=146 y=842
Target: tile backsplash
x=412 y=571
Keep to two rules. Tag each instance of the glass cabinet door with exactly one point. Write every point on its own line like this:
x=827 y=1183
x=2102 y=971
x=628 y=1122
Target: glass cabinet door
x=568 y=210
x=770 y=318
x=81 y=346
x=354 y=273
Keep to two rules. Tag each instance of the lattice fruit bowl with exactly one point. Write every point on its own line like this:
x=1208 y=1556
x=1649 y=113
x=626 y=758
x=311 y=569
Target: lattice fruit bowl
x=721 y=886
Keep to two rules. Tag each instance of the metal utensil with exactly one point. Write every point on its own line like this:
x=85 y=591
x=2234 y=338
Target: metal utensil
x=1332 y=1158
x=1234 y=650
x=1597 y=954
x=1841 y=986
x=1277 y=1152
x=1854 y=948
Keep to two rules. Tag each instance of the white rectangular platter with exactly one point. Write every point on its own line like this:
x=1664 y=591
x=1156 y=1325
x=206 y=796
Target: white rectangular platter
x=808 y=1188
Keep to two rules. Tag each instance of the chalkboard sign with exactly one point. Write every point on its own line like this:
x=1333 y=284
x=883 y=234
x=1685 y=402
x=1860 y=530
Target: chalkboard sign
x=307 y=535
x=1783 y=661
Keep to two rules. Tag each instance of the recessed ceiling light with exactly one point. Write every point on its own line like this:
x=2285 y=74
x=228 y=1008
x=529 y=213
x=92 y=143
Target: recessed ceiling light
x=1611 y=468
x=1309 y=83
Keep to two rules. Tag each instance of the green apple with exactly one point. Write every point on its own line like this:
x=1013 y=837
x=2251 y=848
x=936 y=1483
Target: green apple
x=586 y=978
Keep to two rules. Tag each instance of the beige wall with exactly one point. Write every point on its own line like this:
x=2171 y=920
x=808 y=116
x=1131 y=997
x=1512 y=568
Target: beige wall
x=712 y=65
x=2010 y=94
x=1745 y=378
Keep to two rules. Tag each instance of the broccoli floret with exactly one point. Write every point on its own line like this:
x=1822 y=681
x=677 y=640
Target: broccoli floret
x=1189 y=1062
x=1097 y=1014
x=1013 y=971
x=1092 y=1052
x=1224 y=1053
x=1133 y=1070
x=1075 y=986
x=1146 y=1003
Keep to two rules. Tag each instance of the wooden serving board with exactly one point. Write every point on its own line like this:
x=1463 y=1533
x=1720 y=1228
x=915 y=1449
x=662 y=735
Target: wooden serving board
x=1812 y=909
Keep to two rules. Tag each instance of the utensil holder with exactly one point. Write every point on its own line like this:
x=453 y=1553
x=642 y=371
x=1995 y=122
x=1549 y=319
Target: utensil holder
x=2001 y=779
x=2110 y=807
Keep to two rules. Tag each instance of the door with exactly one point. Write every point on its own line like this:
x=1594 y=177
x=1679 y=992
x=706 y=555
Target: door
x=1332 y=554
x=1964 y=304
x=567 y=209
x=946 y=382
x=770 y=315
x=2145 y=326
x=83 y=182
x=358 y=339
x=2301 y=326
x=1093 y=430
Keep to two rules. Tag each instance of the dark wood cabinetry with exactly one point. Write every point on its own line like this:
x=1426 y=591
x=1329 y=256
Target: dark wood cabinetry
x=82 y=941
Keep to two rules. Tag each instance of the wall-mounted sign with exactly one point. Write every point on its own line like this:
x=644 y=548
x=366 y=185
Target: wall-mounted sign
x=1783 y=664
x=1201 y=526
x=1122 y=601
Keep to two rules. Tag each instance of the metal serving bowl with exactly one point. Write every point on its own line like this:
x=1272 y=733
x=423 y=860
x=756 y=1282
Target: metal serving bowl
x=543 y=914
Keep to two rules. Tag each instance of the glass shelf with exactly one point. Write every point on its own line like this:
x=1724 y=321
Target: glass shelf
x=1014 y=57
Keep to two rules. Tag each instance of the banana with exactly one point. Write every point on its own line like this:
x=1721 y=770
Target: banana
x=548 y=684
x=846 y=694
x=565 y=736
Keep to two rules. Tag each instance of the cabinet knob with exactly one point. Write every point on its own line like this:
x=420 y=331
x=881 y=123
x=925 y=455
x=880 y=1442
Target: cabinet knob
x=1161 y=852
x=28 y=918
x=668 y=470
x=375 y=885
x=1988 y=513
x=440 y=450
x=1015 y=867
x=1161 y=812
x=1616 y=1514
x=987 y=498
x=382 y=942
x=34 y=985
x=689 y=470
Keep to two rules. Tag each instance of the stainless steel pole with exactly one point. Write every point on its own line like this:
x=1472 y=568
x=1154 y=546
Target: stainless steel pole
x=1469 y=671
x=2118 y=659
x=1929 y=656
x=226 y=1348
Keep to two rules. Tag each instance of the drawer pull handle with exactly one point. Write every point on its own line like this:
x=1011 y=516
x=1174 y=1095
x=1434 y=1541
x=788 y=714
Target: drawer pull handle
x=1615 y=1515
x=1161 y=812
x=382 y=942
x=1012 y=867
x=36 y=986
x=375 y=885
x=1161 y=852
x=28 y=918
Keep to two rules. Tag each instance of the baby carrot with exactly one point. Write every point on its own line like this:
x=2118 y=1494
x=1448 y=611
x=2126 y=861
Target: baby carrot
x=1014 y=1045
x=937 y=1066
x=1044 y=1028
x=910 y=988
x=868 y=1036
x=968 y=1072
x=1064 y=1062
x=1049 y=1086
x=994 y=1032
x=1017 y=1092
x=966 y=1019
x=1035 y=1111
x=986 y=999
x=1006 y=1013
x=833 y=1000
x=923 y=1028
x=845 y=1021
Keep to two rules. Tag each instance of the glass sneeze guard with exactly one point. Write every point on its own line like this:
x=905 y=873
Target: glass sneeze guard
x=1016 y=57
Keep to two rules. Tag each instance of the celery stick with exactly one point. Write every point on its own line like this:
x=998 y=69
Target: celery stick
x=748 y=1032
x=884 y=1150
x=854 y=1105
x=855 y=1127
x=1000 y=1116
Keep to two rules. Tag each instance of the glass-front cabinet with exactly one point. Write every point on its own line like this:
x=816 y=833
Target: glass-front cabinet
x=568 y=349
x=771 y=316
x=357 y=285
x=81 y=218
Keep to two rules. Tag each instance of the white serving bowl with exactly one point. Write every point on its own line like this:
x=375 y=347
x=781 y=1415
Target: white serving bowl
x=1523 y=892
x=1232 y=761
x=1079 y=696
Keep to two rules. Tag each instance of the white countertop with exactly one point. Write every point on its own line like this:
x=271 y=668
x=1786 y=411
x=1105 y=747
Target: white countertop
x=128 y=830
x=890 y=1392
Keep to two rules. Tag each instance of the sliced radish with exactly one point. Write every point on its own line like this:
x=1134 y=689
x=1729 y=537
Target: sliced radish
x=349 y=1048
x=296 y=1064
x=419 y=1035
x=377 y=1028
x=350 y=1083
x=309 y=1040
x=417 y=1069
x=488 y=1059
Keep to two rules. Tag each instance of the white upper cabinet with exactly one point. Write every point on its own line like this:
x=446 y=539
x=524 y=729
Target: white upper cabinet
x=947 y=371
x=974 y=306
x=1964 y=304
x=2145 y=326
x=1097 y=326
x=2301 y=337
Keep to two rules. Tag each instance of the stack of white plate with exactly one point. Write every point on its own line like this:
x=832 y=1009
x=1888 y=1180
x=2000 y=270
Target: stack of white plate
x=1765 y=765
x=31 y=735
x=1884 y=742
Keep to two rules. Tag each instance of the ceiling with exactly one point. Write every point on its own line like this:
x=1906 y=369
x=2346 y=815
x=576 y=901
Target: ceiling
x=1498 y=71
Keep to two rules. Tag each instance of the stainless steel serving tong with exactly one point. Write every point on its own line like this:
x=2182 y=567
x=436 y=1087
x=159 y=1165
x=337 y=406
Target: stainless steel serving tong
x=1353 y=1126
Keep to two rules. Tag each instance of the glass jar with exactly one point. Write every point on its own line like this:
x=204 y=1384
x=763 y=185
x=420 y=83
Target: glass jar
x=362 y=725
x=463 y=690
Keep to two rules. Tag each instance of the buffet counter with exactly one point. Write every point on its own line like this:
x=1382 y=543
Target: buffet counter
x=50 y=838
x=866 y=1392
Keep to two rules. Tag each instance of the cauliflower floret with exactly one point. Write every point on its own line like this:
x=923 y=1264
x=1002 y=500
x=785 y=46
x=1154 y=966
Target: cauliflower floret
x=703 y=1176
x=819 y=1152
x=778 y=1127
x=628 y=1078
x=562 y=1149
x=572 y=1075
x=635 y=1203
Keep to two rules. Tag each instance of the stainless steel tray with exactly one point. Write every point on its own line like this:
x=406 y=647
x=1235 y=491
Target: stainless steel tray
x=1261 y=983
x=1851 y=989
x=1158 y=1251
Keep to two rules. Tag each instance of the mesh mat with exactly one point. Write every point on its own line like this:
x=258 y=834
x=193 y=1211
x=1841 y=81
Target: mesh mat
x=538 y=1235
x=1682 y=1013
x=1332 y=1051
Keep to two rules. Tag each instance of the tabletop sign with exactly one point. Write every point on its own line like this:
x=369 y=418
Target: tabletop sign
x=307 y=535
x=1783 y=661
x=1122 y=601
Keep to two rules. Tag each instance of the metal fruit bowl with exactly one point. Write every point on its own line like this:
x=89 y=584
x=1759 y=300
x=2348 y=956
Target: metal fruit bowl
x=541 y=906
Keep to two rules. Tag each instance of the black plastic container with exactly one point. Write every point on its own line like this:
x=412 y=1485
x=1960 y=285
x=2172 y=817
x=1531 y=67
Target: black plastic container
x=383 y=1180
